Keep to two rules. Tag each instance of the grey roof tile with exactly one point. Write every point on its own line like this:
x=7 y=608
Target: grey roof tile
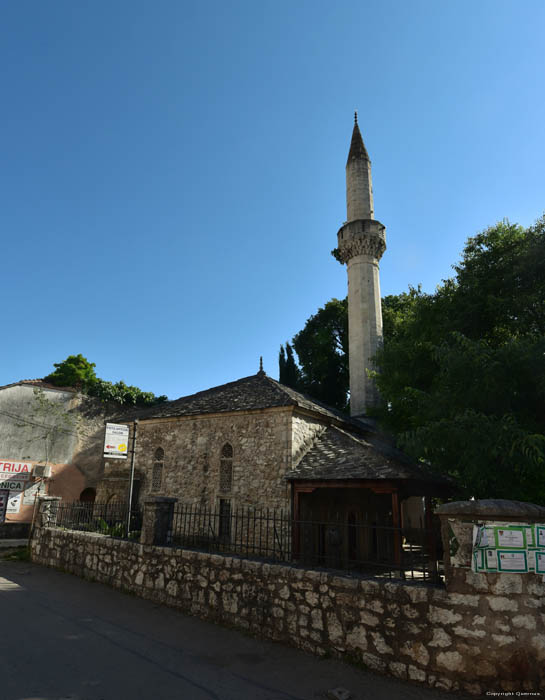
x=257 y=391
x=338 y=454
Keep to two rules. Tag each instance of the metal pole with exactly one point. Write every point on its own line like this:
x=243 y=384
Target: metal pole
x=131 y=479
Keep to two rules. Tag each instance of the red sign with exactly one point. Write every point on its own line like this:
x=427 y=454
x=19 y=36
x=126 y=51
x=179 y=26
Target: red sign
x=15 y=468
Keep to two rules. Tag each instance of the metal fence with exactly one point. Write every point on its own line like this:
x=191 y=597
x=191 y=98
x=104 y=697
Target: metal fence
x=382 y=551
x=105 y=518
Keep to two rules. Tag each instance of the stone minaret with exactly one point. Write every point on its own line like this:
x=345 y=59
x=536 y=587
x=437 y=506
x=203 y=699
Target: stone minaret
x=361 y=243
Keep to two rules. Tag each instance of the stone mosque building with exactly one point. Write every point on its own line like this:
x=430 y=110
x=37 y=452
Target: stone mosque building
x=255 y=443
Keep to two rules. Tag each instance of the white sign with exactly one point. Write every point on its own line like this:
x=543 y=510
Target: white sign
x=511 y=538
x=116 y=443
x=13 y=485
x=14 y=503
x=21 y=469
x=512 y=561
x=30 y=493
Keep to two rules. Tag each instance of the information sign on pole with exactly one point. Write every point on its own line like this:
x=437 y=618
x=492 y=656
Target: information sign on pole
x=116 y=442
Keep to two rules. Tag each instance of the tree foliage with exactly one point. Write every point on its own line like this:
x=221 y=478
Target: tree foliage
x=76 y=371
x=462 y=371
x=321 y=348
x=289 y=372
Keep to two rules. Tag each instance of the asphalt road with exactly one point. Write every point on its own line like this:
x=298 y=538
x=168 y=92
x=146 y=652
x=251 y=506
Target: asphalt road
x=66 y=638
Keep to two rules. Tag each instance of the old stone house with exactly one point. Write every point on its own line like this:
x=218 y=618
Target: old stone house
x=56 y=427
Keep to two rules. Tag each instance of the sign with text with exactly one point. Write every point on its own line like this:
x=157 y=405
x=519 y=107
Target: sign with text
x=509 y=547
x=14 y=503
x=15 y=470
x=13 y=485
x=116 y=442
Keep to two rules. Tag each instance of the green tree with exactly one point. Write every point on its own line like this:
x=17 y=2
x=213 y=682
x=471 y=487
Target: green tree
x=322 y=349
x=76 y=371
x=461 y=371
x=289 y=372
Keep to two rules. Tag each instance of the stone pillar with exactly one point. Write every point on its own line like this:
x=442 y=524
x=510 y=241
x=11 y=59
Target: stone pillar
x=457 y=521
x=157 y=520
x=47 y=511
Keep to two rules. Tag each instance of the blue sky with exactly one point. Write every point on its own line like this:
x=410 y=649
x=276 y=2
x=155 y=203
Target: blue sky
x=173 y=173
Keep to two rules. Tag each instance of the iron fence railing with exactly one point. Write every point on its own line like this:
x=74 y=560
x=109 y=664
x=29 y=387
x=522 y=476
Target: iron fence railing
x=362 y=547
x=105 y=518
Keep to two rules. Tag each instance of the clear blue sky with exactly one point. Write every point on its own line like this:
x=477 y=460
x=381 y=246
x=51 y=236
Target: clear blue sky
x=172 y=172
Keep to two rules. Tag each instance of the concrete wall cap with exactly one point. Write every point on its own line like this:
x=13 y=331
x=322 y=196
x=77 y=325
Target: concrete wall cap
x=493 y=509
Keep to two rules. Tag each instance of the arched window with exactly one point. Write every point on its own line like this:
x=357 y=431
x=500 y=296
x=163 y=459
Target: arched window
x=226 y=468
x=157 y=474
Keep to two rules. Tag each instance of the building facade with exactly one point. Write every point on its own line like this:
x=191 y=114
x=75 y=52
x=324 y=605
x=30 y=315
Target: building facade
x=50 y=442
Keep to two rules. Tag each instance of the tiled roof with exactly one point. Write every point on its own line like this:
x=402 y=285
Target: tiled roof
x=337 y=454
x=250 y=393
x=39 y=383
x=348 y=448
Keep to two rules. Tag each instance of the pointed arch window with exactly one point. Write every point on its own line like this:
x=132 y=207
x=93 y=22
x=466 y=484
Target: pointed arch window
x=226 y=468
x=157 y=473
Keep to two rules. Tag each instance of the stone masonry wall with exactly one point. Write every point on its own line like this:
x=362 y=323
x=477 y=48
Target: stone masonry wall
x=261 y=443
x=491 y=638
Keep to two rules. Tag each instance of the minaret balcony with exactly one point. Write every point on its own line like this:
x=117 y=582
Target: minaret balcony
x=360 y=237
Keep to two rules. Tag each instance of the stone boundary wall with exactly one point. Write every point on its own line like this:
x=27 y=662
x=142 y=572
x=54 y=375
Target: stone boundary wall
x=489 y=639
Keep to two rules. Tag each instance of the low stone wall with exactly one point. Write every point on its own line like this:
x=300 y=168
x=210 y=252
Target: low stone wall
x=489 y=638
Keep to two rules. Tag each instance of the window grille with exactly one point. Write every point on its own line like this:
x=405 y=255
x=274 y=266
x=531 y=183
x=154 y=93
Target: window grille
x=226 y=468
x=157 y=476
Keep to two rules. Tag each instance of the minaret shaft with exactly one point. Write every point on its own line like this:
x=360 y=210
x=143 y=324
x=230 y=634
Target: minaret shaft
x=359 y=190
x=361 y=243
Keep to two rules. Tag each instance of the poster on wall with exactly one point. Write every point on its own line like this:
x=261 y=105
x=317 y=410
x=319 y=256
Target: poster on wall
x=29 y=494
x=116 y=441
x=13 y=485
x=14 y=503
x=3 y=505
x=509 y=548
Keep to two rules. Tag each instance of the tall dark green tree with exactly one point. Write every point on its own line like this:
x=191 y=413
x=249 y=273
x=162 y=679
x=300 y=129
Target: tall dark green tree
x=322 y=349
x=290 y=374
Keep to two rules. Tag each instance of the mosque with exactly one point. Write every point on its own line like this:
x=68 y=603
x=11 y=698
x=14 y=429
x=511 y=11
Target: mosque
x=255 y=443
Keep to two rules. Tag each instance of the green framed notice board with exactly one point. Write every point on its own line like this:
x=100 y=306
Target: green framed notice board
x=508 y=547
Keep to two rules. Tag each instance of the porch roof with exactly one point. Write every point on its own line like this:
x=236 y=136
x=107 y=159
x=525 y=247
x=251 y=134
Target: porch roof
x=340 y=455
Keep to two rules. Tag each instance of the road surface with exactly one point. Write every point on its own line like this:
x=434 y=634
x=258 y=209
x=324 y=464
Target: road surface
x=66 y=638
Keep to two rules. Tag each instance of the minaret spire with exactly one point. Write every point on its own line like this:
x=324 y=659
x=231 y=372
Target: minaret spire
x=361 y=243
x=357 y=147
